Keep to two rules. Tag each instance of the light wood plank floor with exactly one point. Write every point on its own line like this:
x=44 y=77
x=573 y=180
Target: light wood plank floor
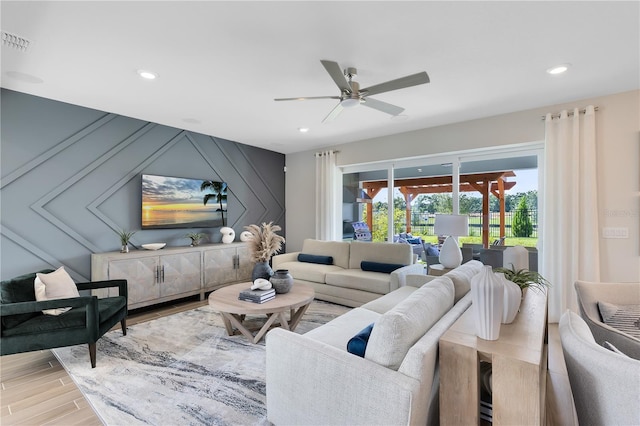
x=36 y=390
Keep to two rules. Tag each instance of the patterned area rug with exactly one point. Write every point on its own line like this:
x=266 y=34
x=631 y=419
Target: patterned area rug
x=178 y=370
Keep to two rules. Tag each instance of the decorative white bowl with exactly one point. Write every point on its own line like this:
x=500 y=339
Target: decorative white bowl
x=153 y=246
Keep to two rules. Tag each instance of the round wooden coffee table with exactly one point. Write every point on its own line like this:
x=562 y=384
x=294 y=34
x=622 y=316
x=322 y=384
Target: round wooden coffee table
x=233 y=310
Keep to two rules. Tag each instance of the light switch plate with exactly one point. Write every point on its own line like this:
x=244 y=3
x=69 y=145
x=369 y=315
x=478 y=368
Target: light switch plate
x=615 y=232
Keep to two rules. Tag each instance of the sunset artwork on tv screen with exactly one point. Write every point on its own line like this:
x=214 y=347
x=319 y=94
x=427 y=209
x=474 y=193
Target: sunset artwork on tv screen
x=171 y=202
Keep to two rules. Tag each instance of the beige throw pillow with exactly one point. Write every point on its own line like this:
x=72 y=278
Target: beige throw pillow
x=396 y=331
x=55 y=285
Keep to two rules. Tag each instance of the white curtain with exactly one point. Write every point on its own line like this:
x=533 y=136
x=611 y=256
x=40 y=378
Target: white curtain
x=328 y=204
x=570 y=249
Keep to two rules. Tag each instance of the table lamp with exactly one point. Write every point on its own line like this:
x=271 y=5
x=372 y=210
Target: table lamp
x=452 y=225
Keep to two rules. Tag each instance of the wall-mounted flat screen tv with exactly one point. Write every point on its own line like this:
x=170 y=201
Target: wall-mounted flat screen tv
x=173 y=202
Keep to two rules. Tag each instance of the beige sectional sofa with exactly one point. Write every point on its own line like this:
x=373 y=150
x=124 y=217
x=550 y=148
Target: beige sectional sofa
x=344 y=281
x=313 y=379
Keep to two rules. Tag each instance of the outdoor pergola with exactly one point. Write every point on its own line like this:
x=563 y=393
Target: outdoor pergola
x=485 y=183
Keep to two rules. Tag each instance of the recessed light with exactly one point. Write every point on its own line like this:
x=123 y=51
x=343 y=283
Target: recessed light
x=147 y=75
x=303 y=129
x=559 y=69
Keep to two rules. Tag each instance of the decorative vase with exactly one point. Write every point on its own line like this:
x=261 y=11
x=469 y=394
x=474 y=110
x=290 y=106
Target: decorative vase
x=487 y=295
x=124 y=248
x=450 y=254
x=245 y=236
x=516 y=257
x=282 y=281
x=261 y=270
x=512 y=299
x=228 y=234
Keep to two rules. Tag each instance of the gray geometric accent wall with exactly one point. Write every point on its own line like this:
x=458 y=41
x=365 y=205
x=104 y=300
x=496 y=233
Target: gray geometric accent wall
x=71 y=177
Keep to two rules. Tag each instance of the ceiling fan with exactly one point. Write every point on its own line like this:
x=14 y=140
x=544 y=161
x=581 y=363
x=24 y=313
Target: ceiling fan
x=351 y=95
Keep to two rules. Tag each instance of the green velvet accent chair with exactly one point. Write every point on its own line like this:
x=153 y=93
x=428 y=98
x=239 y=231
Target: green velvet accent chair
x=25 y=328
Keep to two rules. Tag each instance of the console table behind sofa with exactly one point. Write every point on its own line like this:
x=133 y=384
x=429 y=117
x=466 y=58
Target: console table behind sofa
x=519 y=368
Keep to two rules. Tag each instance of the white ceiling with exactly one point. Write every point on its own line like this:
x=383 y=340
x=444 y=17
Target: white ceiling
x=221 y=64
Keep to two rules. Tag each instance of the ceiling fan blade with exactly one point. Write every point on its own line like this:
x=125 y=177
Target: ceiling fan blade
x=334 y=113
x=307 y=98
x=400 y=83
x=382 y=106
x=337 y=75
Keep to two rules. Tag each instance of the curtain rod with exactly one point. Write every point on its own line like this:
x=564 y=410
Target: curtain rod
x=320 y=154
x=569 y=113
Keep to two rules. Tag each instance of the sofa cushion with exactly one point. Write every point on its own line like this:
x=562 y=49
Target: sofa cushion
x=389 y=300
x=431 y=250
x=386 y=268
x=313 y=272
x=379 y=252
x=357 y=279
x=461 y=277
x=339 y=250
x=357 y=345
x=55 y=285
x=19 y=289
x=75 y=318
x=315 y=258
x=340 y=330
x=400 y=328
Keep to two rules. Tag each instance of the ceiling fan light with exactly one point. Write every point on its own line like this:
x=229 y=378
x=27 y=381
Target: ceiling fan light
x=350 y=102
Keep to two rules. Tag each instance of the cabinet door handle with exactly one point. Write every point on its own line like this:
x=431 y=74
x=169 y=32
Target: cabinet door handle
x=162 y=276
x=157 y=274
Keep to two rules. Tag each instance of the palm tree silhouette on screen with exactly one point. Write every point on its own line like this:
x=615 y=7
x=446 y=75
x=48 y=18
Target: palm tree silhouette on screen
x=218 y=191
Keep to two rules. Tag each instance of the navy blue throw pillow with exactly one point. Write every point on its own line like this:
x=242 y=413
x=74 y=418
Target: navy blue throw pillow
x=414 y=240
x=357 y=345
x=432 y=250
x=387 y=268
x=314 y=258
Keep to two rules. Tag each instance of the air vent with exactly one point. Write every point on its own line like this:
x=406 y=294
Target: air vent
x=15 y=41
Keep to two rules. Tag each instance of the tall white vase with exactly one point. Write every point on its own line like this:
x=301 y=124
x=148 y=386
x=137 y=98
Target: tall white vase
x=487 y=295
x=450 y=254
x=512 y=299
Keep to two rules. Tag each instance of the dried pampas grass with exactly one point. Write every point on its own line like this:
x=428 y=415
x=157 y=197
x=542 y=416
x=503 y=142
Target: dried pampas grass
x=264 y=242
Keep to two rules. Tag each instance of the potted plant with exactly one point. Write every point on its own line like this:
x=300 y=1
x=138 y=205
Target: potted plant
x=525 y=278
x=264 y=243
x=196 y=237
x=125 y=236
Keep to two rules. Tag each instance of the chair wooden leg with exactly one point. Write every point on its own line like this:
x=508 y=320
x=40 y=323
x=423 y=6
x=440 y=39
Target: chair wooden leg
x=92 y=354
x=123 y=323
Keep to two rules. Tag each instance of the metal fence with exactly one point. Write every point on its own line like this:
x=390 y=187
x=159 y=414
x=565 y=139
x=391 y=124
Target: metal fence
x=422 y=224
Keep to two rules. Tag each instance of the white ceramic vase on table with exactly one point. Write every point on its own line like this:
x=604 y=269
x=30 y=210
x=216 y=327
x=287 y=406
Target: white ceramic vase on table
x=487 y=295
x=228 y=234
x=512 y=299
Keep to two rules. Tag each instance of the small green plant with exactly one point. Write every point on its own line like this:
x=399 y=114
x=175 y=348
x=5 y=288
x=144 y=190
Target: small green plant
x=196 y=237
x=525 y=278
x=125 y=236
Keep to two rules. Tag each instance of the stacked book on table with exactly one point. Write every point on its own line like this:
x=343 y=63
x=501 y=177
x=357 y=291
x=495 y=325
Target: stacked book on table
x=257 y=296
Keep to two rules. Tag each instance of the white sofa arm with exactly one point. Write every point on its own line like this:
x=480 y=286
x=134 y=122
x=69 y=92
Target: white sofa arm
x=399 y=276
x=310 y=382
x=279 y=259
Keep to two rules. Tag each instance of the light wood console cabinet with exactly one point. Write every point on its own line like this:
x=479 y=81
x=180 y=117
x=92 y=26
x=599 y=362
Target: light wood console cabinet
x=519 y=368
x=173 y=272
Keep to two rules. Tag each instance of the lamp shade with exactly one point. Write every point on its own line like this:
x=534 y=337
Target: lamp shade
x=451 y=224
